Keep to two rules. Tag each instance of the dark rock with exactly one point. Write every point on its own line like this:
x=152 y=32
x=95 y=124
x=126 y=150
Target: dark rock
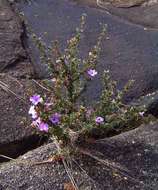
x=129 y=53
x=135 y=151
x=153 y=108
x=151 y=103
x=11 y=32
x=16 y=135
x=146 y=15
x=124 y=3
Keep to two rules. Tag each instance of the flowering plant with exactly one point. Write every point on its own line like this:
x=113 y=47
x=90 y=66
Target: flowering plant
x=61 y=112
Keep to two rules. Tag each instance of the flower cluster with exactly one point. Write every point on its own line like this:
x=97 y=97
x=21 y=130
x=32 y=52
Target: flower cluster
x=62 y=113
x=39 y=122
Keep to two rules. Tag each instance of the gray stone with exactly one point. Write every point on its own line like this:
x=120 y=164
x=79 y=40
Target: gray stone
x=16 y=134
x=130 y=52
x=11 y=32
x=145 y=15
x=124 y=3
x=134 y=152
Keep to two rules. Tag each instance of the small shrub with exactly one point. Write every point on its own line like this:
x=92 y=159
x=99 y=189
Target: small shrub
x=61 y=112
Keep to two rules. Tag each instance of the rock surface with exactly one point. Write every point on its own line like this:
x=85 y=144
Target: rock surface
x=127 y=3
x=124 y=3
x=16 y=135
x=11 y=32
x=136 y=151
x=145 y=15
x=130 y=52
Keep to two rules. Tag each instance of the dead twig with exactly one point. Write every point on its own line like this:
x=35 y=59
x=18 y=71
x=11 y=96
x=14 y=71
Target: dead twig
x=5 y=87
x=7 y=157
x=40 y=85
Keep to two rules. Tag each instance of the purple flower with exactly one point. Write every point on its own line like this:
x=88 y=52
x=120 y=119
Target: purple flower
x=43 y=127
x=55 y=118
x=40 y=124
x=33 y=112
x=35 y=99
x=141 y=113
x=99 y=120
x=36 y=122
x=92 y=72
